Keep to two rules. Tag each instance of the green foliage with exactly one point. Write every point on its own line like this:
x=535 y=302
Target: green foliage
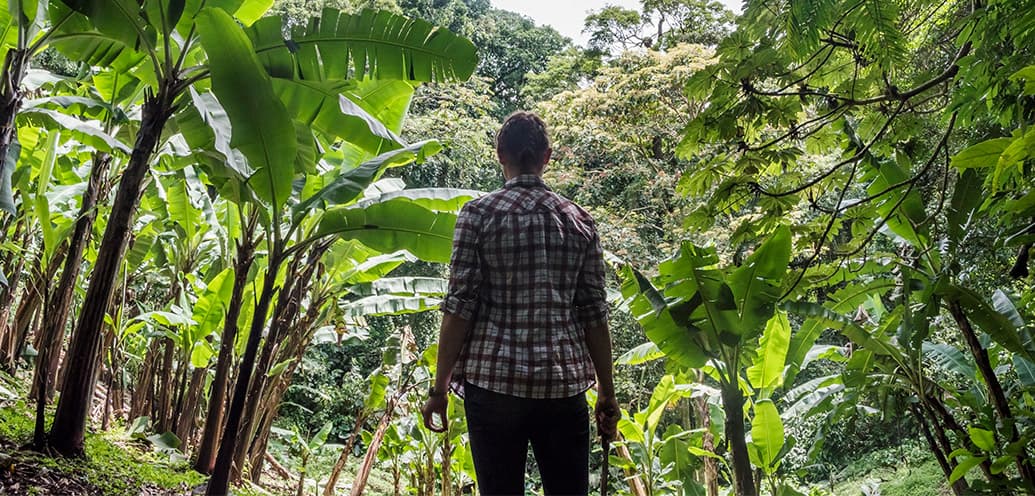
x=115 y=465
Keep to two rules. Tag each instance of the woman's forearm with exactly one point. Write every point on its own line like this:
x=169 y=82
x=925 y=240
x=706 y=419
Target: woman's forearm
x=598 y=340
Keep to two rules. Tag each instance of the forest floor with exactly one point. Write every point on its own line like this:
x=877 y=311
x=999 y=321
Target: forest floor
x=116 y=464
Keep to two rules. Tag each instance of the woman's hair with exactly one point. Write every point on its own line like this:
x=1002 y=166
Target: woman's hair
x=523 y=140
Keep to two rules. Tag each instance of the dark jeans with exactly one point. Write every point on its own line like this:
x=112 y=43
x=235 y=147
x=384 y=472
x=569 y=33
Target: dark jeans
x=500 y=428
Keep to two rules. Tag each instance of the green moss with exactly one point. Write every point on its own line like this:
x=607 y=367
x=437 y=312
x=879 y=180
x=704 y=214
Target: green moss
x=16 y=422
x=908 y=480
x=118 y=468
x=113 y=463
x=925 y=479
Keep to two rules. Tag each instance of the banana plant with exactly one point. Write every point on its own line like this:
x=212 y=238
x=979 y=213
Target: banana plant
x=665 y=459
x=23 y=33
x=182 y=45
x=708 y=315
x=305 y=448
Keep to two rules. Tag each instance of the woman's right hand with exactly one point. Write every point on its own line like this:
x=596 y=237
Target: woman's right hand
x=607 y=413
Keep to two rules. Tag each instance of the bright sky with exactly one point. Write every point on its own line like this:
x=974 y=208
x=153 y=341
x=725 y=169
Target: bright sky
x=566 y=16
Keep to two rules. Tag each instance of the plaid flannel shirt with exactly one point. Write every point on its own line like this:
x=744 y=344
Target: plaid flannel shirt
x=528 y=270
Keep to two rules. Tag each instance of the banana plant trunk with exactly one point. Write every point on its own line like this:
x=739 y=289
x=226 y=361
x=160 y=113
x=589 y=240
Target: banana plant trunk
x=711 y=467
x=332 y=479
x=142 y=403
x=188 y=414
x=53 y=332
x=296 y=284
x=220 y=481
x=68 y=431
x=166 y=385
x=271 y=399
x=733 y=403
x=28 y=310
x=943 y=421
x=15 y=66
x=370 y=458
x=14 y=267
x=294 y=348
x=207 y=448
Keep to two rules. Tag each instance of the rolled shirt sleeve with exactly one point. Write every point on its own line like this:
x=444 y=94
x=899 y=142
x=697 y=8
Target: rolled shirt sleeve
x=591 y=307
x=465 y=273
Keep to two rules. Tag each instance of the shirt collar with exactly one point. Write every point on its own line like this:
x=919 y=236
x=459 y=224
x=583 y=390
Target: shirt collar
x=526 y=181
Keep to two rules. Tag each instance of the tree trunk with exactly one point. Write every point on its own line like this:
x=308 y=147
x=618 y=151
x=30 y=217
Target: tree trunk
x=711 y=468
x=296 y=284
x=217 y=397
x=185 y=424
x=13 y=269
x=995 y=390
x=68 y=431
x=16 y=64
x=959 y=488
x=55 y=319
x=166 y=386
x=733 y=402
x=220 y=481
x=332 y=479
x=142 y=404
x=360 y=483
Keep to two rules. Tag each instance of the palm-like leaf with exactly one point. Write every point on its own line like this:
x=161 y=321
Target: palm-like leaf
x=379 y=44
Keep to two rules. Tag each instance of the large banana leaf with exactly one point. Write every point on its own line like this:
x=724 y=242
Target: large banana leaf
x=994 y=323
x=321 y=105
x=402 y=286
x=380 y=305
x=394 y=225
x=756 y=284
x=902 y=208
x=246 y=11
x=206 y=129
x=702 y=299
x=208 y=314
x=262 y=128
x=767 y=435
x=8 y=29
x=347 y=186
x=89 y=133
x=833 y=320
x=842 y=301
x=386 y=100
x=767 y=371
x=687 y=347
x=949 y=357
x=437 y=199
x=376 y=267
x=111 y=33
x=375 y=43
